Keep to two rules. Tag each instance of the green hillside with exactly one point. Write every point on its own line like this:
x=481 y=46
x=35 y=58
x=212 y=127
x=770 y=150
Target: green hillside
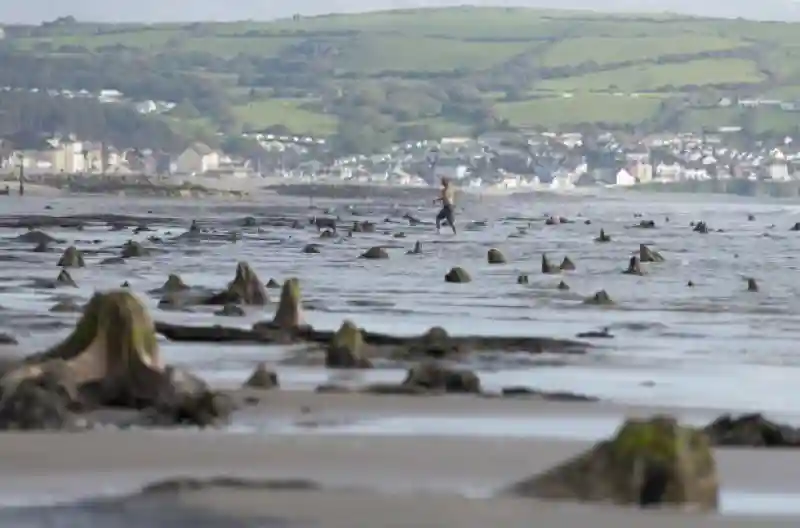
x=437 y=71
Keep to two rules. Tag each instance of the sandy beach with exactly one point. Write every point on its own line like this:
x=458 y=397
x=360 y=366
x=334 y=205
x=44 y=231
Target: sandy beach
x=367 y=480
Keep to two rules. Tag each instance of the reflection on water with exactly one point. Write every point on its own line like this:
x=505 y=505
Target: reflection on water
x=572 y=427
x=735 y=502
x=714 y=342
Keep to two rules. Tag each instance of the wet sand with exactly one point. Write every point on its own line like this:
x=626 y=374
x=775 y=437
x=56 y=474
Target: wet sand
x=366 y=480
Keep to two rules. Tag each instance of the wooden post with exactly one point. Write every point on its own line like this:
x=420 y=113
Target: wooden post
x=21 y=176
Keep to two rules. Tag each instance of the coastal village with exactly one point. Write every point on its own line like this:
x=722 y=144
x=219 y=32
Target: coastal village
x=505 y=161
x=499 y=160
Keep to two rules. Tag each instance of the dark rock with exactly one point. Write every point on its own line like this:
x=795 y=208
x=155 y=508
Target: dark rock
x=599 y=298
x=795 y=227
x=752 y=285
x=36 y=237
x=547 y=266
x=435 y=343
x=648 y=255
x=41 y=247
x=603 y=237
x=567 y=265
x=346 y=349
x=311 y=249
x=273 y=284
x=332 y=388
x=245 y=288
x=375 y=253
x=230 y=310
x=604 y=333
x=173 y=284
x=66 y=306
x=363 y=227
x=494 y=256
x=132 y=249
x=182 y=484
x=6 y=339
x=185 y=399
x=751 y=430
x=72 y=258
x=112 y=261
x=417 y=249
x=65 y=279
x=125 y=284
x=412 y=221
x=395 y=389
x=249 y=221
x=522 y=279
x=546 y=396
x=457 y=275
x=327 y=234
x=646 y=224
x=432 y=376
x=633 y=267
x=34 y=404
x=262 y=378
x=701 y=227
x=327 y=223
x=649 y=463
x=563 y=286
x=751 y=217
x=690 y=284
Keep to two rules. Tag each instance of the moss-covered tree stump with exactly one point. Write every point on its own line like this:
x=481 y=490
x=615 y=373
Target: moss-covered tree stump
x=648 y=463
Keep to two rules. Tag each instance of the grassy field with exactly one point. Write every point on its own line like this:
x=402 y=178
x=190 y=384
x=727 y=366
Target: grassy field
x=373 y=53
x=652 y=76
x=411 y=45
x=286 y=112
x=606 y=50
x=584 y=108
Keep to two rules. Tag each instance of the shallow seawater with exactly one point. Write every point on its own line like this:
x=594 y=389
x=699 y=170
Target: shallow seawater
x=572 y=427
x=713 y=344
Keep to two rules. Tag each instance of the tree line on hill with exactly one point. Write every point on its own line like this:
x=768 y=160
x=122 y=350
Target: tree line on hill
x=372 y=109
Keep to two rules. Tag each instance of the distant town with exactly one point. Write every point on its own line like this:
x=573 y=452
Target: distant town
x=504 y=161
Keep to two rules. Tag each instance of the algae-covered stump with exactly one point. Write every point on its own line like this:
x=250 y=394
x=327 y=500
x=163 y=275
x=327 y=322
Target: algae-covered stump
x=245 y=288
x=114 y=344
x=174 y=283
x=111 y=358
x=262 y=378
x=72 y=258
x=346 y=349
x=457 y=275
x=494 y=256
x=432 y=376
x=654 y=462
x=289 y=315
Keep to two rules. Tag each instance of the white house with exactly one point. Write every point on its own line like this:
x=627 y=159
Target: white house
x=197 y=159
x=778 y=168
x=146 y=107
x=624 y=178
